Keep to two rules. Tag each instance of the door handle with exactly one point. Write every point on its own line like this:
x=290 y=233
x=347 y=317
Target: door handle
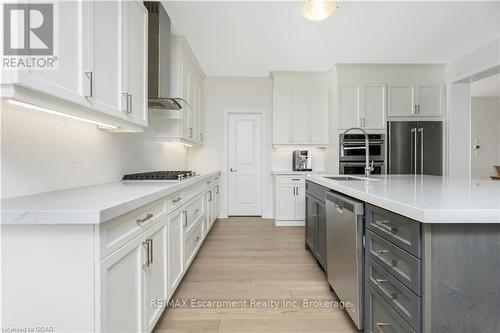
x=233 y=170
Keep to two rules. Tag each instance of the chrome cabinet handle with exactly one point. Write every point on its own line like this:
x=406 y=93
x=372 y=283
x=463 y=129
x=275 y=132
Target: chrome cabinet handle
x=233 y=170
x=380 y=325
x=190 y=132
x=386 y=226
x=421 y=131
x=125 y=94
x=148 y=216
x=129 y=103
x=176 y=200
x=90 y=77
x=217 y=191
x=197 y=211
x=197 y=239
x=392 y=295
x=418 y=109
x=147 y=245
x=339 y=208
x=414 y=150
x=150 y=240
x=210 y=196
x=185 y=221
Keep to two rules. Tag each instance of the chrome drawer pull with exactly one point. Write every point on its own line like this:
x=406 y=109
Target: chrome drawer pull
x=392 y=295
x=150 y=250
x=185 y=220
x=384 y=225
x=382 y=251
x=380 y=325
x=140 y=221
x=147 y=245
x=176 y=200
x=197 y=239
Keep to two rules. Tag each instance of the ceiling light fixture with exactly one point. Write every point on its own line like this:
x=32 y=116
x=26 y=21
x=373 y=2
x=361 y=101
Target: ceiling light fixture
x=318 y=10
x=39 y=108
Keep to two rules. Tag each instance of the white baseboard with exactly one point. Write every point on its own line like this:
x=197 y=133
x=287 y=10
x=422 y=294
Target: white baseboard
x=282 y=223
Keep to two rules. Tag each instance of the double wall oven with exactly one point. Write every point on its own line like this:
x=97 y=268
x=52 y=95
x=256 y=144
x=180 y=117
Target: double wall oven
x=352 y=153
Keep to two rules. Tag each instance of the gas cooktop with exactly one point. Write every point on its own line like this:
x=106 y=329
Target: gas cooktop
x=159 y=176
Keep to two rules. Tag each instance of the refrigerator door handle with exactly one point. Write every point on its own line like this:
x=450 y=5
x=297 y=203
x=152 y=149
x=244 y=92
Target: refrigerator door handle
x=421 y=131
x=413 y=144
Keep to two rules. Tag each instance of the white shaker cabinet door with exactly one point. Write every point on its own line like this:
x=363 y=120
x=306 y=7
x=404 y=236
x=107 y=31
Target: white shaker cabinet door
x=318 y=117
x=136 y=51
x=285 y=202
x=374 y=106
x=175 y=249
x=348 y=106
x=121 y=289
x=282 y=118
x=430 y=100
x=156 y=273
x=300 y=202
x=106 y=37
x=66 y=80
x=300 y=116
x=402 y=100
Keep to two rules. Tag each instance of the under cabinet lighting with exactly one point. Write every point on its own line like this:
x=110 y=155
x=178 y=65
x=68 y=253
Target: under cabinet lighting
x=39 y=108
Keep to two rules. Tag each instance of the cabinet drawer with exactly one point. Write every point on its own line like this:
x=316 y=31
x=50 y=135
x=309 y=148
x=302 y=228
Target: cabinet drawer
x=316 y=190
x=194 y=211
x=193 y=240
x=117 y=232
x=178 y=199
x=380 y=317
x=400 y=230
x=402 y=265
x=402 y=299
x=296 y=180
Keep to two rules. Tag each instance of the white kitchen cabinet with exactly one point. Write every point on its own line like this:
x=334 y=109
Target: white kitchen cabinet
x=300 y=109
x=362 y=105
x=102 y=77
x=175 y=249
x=67 y=80
x=318 y=117
x=121 y=282
x=300 y=116
x=216 y=203
x=156 y=286
x=416 y=100
x=135 y=58
x=281 y=116
x=290 y=200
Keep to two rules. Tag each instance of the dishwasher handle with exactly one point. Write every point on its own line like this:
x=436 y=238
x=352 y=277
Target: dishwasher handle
x=342 y=202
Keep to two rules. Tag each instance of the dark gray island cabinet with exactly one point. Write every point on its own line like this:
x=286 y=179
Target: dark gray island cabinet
x=430 y=277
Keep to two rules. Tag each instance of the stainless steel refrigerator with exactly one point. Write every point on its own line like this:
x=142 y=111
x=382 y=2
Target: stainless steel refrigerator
x=415 y=147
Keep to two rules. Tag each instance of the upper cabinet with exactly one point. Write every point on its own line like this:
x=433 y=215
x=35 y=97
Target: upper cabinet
x=361 y=106
x=100 y=70
x=416 y=100
x=300 y=109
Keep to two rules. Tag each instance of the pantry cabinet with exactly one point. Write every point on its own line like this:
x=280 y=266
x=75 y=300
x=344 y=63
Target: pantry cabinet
x=362 y=105
x=416 y=100
x=300 y=109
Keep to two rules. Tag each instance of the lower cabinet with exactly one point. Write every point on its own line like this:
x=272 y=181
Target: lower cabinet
x=122 y=280
x=315 y=231
x=175 y=249
x=290 y=200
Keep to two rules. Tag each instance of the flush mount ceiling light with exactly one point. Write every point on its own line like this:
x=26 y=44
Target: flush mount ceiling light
x=318 y=10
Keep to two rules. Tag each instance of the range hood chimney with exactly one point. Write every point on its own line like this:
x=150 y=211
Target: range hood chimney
x=159 y=61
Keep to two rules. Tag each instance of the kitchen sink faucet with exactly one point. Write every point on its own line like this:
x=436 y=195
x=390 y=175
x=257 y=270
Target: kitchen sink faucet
x=368 y=166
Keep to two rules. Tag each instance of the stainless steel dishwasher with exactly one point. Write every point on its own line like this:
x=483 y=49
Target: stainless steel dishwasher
x=344 y=233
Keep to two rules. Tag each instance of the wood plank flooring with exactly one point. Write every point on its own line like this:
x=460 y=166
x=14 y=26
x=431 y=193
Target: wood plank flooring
x=247 y=258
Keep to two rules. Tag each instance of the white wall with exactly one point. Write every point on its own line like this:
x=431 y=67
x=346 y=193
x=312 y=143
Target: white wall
x=485 y=131
x=43 y=152
x=223 y=94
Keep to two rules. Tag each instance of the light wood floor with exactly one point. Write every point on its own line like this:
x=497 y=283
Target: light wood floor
x=248 y=258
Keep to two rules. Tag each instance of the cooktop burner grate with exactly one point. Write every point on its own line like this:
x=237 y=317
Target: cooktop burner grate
x=160 y=175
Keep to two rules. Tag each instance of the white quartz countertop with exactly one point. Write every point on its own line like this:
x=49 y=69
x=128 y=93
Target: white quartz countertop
x=290 y=172
x=89 y=204
x=428 y=199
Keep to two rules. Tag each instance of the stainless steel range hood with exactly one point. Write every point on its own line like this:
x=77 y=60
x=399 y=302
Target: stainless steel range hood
x=159 y=61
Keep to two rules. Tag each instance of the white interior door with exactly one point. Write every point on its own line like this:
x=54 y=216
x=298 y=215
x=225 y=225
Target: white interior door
x=244 y=164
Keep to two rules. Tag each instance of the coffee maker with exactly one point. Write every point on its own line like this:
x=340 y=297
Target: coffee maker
x=301 y=160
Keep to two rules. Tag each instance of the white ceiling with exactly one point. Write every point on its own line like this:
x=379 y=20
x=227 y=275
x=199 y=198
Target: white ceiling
x=233 y=38
x=487 y=87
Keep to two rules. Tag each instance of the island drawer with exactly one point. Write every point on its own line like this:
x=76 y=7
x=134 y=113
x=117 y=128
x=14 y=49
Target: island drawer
x=290 y=179
x=380 y=317
x=402 y=299
x=400 y=230
x=402 y=265
x=316 y=190
x=117 y=232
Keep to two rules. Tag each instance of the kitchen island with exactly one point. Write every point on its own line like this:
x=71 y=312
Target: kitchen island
x=431 y=251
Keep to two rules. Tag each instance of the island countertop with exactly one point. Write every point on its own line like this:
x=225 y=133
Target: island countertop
x=92 y=204
x=427 y=199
